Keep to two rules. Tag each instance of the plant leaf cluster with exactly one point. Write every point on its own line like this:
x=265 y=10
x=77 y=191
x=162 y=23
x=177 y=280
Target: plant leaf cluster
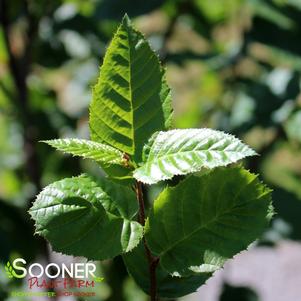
x=193 y=227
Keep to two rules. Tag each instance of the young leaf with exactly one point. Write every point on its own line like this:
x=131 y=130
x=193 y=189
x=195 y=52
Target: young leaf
x=131 y=99
x=179 y=152
x=82 y=217
x=167 y=286
x=197 y=225
x=88 y=149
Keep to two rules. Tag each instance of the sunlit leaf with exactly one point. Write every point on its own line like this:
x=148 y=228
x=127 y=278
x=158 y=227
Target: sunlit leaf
x=83 y=217
x=179 y=152
x=131 y=100
x=88 y=149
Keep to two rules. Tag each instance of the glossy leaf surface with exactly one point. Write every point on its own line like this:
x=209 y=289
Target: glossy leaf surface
x=179 y=152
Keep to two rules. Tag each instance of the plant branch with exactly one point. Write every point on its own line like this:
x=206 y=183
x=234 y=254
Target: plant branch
x=19 y=68
x=13 y=61
x=152 y=260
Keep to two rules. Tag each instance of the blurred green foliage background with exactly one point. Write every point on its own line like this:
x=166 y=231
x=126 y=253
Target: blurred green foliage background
x=233 y=65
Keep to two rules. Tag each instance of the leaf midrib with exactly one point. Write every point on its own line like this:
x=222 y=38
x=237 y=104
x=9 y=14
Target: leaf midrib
x=131 y=91
x=164 y=156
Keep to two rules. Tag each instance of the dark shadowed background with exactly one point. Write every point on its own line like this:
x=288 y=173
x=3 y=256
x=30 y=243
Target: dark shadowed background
x=233 y=65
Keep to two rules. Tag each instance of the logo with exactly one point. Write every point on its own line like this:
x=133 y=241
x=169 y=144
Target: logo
x=53 y=276
x=11 y=273
x=52 y=270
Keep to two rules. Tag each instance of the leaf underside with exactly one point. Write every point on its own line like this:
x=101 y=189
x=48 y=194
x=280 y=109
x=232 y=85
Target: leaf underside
x=88 y=149
x=131 y=99
x=179 y=152
x=199 y=224
x=167 y=286
x=82 y=217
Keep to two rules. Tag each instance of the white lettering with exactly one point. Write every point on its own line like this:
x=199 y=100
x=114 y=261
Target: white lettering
x=66 y=271
x=90 y=269
x=18 y=268
x=79 y=270
x=32 y=267
x=48 y=267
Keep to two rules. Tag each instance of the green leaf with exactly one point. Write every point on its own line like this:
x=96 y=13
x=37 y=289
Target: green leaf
x=131 y=99
x=166 y=102
x=88 y=149
x=179 y=152
x=197 y=225
x=167 y=286
x=83 y=217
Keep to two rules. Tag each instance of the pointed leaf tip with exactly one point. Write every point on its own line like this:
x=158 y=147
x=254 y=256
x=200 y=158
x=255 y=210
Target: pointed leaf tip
x=88 y=149
x=123 y=95
x=126 y=21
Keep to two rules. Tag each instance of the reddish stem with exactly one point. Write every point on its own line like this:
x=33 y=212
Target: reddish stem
x=152 y=260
